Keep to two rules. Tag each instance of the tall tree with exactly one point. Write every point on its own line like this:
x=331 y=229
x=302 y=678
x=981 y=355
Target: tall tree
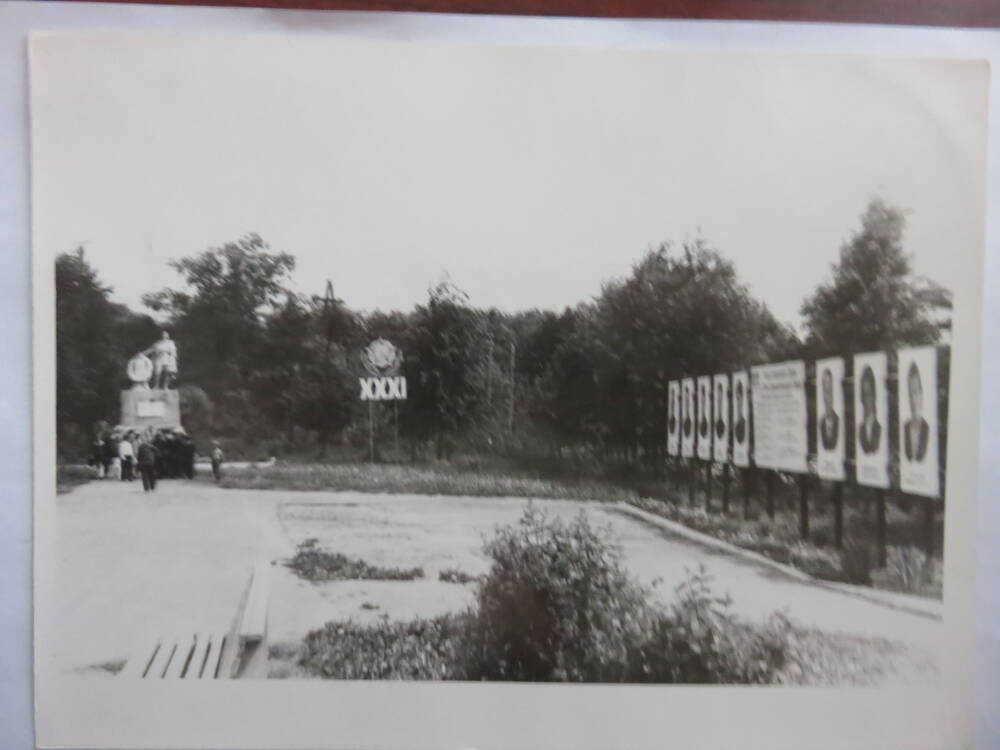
x=873 y=300
x=218 y=316
x=94 y=338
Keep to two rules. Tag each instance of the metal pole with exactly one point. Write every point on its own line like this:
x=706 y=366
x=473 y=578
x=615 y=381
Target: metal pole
x=748 y=477
x=708 y=487
x=770 y=494
x=371 y=433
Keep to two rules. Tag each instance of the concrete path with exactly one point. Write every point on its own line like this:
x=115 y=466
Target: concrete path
x=133 y=565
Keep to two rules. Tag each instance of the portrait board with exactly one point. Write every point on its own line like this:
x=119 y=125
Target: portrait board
x=871 y=420
x=688 y=418
x=917 y=393
x=705 y=417
x=674 y=417
x=720 y=414
x=741 y=419
x=779 y=416
x=831 y=421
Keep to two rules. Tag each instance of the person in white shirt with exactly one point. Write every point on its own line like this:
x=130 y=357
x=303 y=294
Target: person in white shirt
x=127 y=455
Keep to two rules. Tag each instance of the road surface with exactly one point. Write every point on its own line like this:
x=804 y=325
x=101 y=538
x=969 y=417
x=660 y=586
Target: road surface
x=131 y=567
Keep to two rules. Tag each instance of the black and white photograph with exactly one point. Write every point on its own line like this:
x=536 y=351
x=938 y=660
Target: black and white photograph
x=830 y=419
x=871 y=419
x=401 y=369
x=919 y=465
x=674 y=418
x=741 y=419
x=720 y=411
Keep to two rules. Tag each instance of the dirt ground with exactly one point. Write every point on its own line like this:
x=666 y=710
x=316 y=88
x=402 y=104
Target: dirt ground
x=133 y=566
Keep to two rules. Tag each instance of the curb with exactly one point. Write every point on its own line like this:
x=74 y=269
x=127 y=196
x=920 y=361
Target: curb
x=706 y=540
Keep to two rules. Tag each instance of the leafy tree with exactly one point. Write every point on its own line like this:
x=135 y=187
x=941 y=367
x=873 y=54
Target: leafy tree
x=219 y=314
x=446 y=395
x=872 y=300
x=94 y=339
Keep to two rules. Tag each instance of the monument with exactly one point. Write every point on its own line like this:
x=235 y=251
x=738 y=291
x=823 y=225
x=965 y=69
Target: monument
x=153 y=400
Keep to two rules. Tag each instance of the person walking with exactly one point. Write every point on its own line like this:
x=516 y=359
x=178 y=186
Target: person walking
x=146 y=455
x=216 y=461
x=127 y=455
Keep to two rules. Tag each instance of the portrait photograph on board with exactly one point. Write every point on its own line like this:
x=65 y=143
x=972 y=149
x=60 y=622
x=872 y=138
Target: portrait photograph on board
x=871 y=419
x=675 y=418
x=741 y=419
x=369 y=413
x=830 y=419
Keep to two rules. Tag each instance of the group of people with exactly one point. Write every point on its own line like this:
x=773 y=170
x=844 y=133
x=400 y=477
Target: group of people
x=153 y=453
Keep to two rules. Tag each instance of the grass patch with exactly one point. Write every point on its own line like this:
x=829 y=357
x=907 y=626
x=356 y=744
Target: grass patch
x=454 y=575
x=314 y=564
x=468 y=479
x=908 y=570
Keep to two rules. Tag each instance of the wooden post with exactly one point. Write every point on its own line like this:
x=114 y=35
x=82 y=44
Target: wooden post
x=725 y=489
x=930 y=516
x=395 y=428
x=770 y=494
x=804 y=506
x=838 y=514
x=748 y=477
x=881 y=527
x=708 y=487
x=692 y=480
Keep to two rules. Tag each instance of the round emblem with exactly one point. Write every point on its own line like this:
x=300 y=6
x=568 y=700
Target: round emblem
x=380 y=357
x=139 y=369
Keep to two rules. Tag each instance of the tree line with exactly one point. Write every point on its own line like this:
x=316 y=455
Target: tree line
x=270 y=370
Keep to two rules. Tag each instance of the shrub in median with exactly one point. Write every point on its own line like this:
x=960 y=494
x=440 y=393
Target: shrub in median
x=557 y=605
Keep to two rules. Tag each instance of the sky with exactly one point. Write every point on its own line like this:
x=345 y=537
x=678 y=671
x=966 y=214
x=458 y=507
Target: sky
x=528 y=175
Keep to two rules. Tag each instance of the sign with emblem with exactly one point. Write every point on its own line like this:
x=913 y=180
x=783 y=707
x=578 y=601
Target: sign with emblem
x=382 y=360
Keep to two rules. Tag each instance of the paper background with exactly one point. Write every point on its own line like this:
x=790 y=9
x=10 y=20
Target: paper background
x=15 y=513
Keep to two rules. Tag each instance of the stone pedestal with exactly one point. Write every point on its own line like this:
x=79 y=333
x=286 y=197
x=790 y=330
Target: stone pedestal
x=150 y=407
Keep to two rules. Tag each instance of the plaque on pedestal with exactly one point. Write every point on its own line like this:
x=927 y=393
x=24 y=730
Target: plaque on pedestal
x=150 y=407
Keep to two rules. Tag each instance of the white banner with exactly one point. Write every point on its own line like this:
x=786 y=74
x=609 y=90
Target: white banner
x=720 y=410
x=831 y=423
x=918 y=421
x=871 y=420
x=705 y=418
x=741 y=418
x=687 y=418
x=383 y=389
x=673 y=417
x=779 y=416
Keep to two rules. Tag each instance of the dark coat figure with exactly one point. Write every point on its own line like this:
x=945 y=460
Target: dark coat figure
x=720 y=428
x=740 y=431
x=703 y=425
x=672 y=422
x=146 y=457
x=688 y=422
x=915 y=437
x=870 y=436
x=829 y=431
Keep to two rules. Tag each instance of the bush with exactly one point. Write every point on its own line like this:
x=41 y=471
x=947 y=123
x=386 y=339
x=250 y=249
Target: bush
x=314 y=564
x=417 y=650
x=908 y=569
x=557 y=605
x=817 y=562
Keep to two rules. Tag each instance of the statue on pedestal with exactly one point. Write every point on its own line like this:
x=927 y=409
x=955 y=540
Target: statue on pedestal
x=155 y=367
